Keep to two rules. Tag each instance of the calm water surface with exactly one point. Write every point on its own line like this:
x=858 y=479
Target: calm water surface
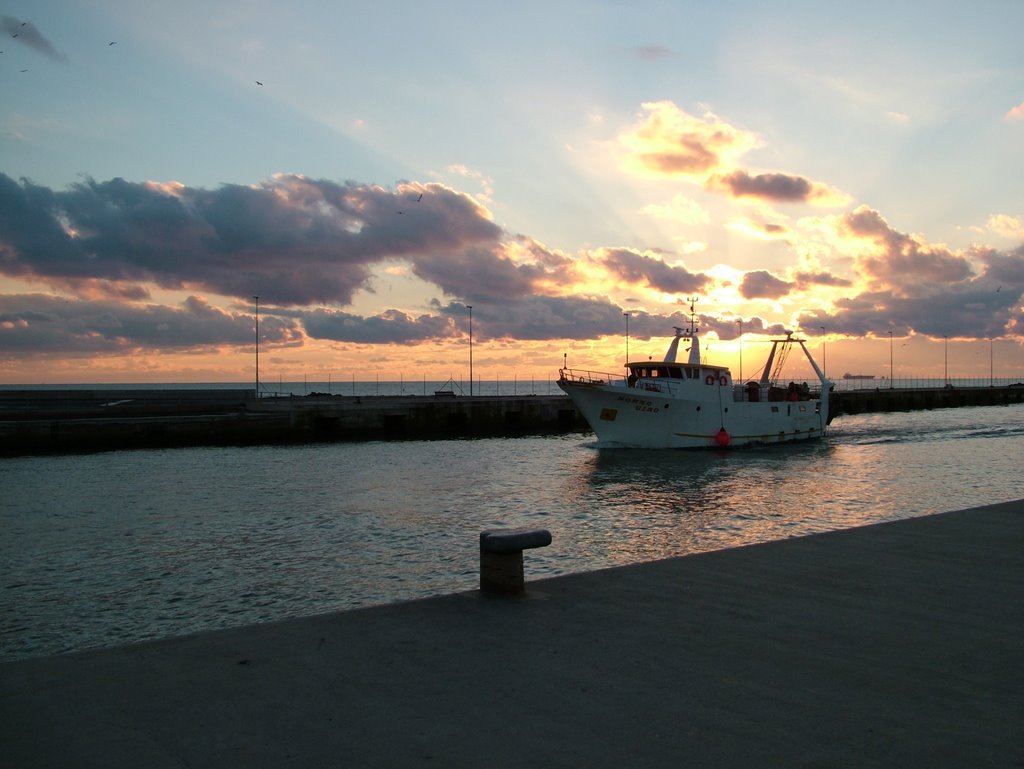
x=109 y=548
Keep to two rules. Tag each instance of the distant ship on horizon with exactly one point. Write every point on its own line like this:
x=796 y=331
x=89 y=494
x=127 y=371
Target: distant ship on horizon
x=858 y=376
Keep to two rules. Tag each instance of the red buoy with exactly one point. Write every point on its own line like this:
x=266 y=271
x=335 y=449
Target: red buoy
x=722 y=439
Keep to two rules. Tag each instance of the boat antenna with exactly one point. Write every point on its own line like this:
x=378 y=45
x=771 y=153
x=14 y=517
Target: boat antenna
x=693 y=315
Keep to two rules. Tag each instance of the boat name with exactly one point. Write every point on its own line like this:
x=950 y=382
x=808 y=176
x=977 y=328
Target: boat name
x=640 y=404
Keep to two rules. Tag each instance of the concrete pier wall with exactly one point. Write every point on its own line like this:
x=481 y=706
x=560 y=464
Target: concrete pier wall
x=897 y=399
x=57 y=421
x=102 y=420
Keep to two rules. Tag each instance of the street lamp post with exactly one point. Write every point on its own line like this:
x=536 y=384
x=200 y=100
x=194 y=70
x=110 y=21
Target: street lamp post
x=890 y=361
x=626 y=315
x=991 y=369
x=740 y=321
x=823 y=369
x=470 y=308
x=257 y=345
x=945 y=359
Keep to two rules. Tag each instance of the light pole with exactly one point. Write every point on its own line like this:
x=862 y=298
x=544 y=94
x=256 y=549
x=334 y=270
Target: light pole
x=823 y=369
x=740 y=321
x=626 y=315
x=257 y=345
x=890 y=360
x=945 y=359
x=991 y=370
x=470 y=308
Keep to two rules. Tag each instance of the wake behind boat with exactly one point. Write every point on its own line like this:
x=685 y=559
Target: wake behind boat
x=668 y=404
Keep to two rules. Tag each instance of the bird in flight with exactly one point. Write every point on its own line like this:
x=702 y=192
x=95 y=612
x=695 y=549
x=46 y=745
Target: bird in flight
x=112 y=42
x=258 y=83
x=419 y=198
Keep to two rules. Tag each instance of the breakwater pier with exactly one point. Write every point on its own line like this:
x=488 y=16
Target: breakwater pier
x=55 y=421
x=922 y=398
x=39 y=421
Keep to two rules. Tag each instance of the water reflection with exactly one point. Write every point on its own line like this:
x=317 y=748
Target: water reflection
x=131 y=545
x=660 y=503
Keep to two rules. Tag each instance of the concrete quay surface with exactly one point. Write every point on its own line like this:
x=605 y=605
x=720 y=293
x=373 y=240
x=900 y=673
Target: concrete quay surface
x=894 y=645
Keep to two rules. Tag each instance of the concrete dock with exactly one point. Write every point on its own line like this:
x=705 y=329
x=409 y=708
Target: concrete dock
x=894 y=645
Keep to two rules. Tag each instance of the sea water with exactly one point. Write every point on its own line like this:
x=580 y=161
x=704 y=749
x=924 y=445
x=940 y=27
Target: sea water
x=107 y=548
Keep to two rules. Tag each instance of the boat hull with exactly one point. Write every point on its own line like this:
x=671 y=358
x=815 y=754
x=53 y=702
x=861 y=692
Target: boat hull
x=632 y=417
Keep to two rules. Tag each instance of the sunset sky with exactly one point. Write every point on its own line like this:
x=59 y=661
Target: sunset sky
x=371 y=169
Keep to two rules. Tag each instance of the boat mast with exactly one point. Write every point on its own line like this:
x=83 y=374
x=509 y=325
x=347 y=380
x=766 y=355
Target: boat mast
x=684 y=333
x=694 y=359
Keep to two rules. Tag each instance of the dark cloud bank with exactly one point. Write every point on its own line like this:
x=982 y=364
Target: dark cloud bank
x=301 y=243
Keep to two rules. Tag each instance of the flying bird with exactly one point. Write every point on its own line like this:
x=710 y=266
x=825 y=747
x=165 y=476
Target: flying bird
x=258 y=83
x=112 y=42
x=419 y=198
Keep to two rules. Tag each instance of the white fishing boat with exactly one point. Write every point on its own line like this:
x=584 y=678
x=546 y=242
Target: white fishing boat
x=695 y=404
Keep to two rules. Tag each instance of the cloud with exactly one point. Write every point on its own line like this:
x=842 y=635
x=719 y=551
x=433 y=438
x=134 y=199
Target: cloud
x=1002 y=269
x=972 y=312
x=651 y=52
x=806 y=280
x=291 y=239
x=479 y=274
x=761 y=284
x=983 y=306
x=390 y=327
x=1015 y=114
x=642 y=269
x=40 y=324
x=1007 y=226
x=729 y=328
x=670 y=143
x=777 y=188
x=895 y=260
x=26 y=33
x=300 y=242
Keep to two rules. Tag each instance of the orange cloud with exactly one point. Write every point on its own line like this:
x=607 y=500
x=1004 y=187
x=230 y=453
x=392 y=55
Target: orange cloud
x=1007 y=226
x=670 y=142
x=1017 y=113
x=898 y=261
